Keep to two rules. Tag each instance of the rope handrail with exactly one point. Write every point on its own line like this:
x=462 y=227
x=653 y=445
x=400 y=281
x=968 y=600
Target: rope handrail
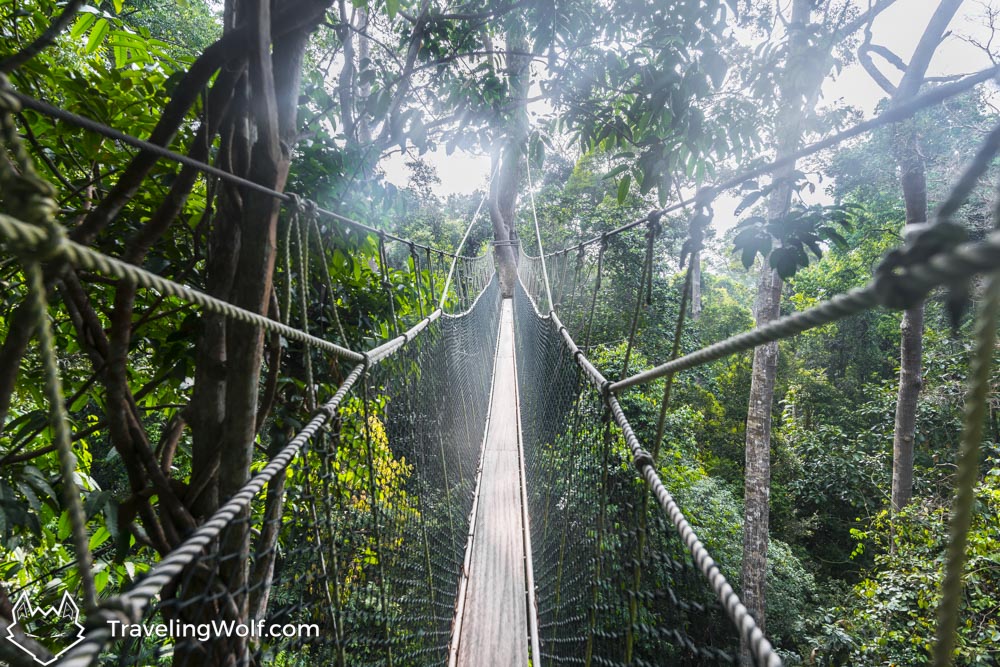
x=891 y=115
x=130 y=607
x=762 y=649
x=465 y=237
x=34 y=239
x=285 y=197
x=956 y=265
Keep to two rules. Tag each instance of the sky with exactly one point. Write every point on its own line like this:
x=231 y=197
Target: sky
x=898 y=28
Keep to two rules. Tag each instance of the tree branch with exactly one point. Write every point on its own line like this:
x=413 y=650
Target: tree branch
x=10 y=63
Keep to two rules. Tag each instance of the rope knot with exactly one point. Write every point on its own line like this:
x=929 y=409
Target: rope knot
x=328 y=409
x=654 y=227
x=894 y=287
x=606 y=388
x=642 y=459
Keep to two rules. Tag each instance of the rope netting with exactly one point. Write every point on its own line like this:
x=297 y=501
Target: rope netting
x=356 y=524
x=589 y=524
x=604 y=287
x=357 y=539
x=352 y=529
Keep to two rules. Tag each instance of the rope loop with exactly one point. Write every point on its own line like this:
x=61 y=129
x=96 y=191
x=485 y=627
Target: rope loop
x=922 y=242
x=655 y=226
x=296 y=202
x=642 y=459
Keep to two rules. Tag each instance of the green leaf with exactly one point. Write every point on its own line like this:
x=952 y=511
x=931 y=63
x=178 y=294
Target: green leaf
x=65 y=527
x=623 y=187
x=81 y=25
x=119 y=5
x=617 y=170
x=97 y=35
x=99 y=537
x=391 y=8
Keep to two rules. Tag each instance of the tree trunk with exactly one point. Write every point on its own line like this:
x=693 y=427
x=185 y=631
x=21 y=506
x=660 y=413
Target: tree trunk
x=504 y=188
x=757 y=490
x=914 y=184
x=757 y=483
x=696 y=285
x=256 y=141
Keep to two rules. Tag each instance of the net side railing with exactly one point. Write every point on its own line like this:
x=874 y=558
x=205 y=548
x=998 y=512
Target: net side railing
x=350 y=533
x=370 y=503
x=589 y=522
x=934 y=255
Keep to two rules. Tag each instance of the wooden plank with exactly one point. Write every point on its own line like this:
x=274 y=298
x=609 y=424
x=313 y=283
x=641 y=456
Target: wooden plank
x=494 y=625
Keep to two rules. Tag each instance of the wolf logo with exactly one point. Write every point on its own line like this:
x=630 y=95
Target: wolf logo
x=58 y=630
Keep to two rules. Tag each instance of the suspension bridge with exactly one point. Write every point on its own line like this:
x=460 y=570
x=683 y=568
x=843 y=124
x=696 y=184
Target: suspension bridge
x=473 y=491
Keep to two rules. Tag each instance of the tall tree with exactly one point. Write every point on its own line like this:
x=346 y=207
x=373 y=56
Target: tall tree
x=509 y=160
x=913 y=181
x=757 y=487
x=808 y=60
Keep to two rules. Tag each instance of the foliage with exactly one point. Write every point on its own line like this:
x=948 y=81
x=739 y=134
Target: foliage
x=890 y=615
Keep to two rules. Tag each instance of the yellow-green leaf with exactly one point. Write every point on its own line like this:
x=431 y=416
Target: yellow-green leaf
x=97 y=35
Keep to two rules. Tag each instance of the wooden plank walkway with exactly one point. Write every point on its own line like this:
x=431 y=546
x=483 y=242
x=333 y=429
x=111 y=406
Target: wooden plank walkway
x=494 y=628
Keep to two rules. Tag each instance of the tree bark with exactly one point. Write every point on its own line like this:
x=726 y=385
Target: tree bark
x=914 y=184
x=696 y=285
x=505 y=185
x=256 y=141
x=757 y=483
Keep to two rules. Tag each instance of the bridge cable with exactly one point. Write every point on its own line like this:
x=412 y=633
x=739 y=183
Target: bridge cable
x=57 y=113
x=892 y=115
x=646 y=466
x=465 y=237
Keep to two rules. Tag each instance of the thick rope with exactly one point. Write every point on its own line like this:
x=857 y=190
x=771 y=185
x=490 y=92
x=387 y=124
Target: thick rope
x=761 y=648
x=59 y=419
x=749 y=632
x=950 y=267
x=28 y=238
x=976 y=403
x=304 y=215
x=28 y=194
x=976 y=406
x=131 y=606
x=167 y=154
